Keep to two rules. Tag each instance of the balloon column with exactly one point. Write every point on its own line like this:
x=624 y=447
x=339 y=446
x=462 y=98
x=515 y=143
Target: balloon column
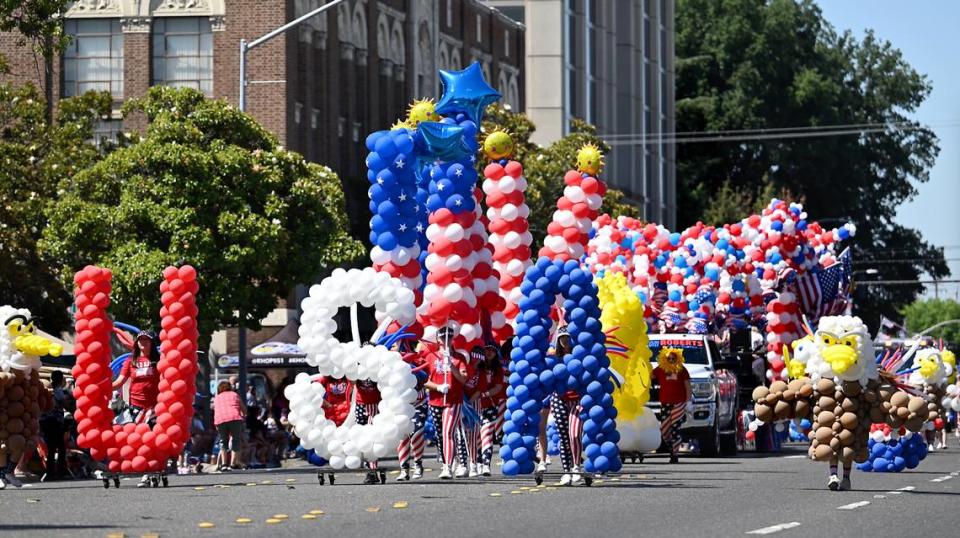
x=507 y=213
x=22 y=395
x=135 y=448
x=568 y=233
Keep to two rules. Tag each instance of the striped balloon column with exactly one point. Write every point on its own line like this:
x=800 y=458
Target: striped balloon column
x=449 y=296
x=568 y=233
x=507 y=213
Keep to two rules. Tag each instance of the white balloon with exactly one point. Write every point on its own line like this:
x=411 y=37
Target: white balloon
x=454 y=232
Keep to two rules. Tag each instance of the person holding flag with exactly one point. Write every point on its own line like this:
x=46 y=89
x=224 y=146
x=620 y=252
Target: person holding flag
x=448 y=371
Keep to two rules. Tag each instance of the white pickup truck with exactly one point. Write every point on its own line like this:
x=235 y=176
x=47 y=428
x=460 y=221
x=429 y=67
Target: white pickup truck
x=713 y=420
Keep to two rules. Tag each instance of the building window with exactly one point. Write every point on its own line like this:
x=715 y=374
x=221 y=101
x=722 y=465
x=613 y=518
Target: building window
x=183 y=53
x=297 y=112
x=479 y=29
x=314 y=118
x=506 y=43
x=449 y=13
x=94 y=58
x=107 y=132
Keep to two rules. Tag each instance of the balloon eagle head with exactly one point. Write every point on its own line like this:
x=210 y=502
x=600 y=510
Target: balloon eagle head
x=20 y=347
x=589 y=160
x=670 y=359
x=844 y=351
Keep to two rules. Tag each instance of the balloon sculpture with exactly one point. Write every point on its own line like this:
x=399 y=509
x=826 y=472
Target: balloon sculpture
x=349 y=444
x=135 y=448
x=844 y=393
x=22 y=395
x=892 y=452
x=622 y=318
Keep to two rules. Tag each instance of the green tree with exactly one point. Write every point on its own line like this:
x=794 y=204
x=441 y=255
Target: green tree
x=207 y=186
x=760 y=64
x=544 y=167
x=925 y=313
x=37 y=156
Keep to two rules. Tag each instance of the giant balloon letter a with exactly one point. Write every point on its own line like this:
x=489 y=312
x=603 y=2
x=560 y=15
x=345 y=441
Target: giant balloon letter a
x=135 y=447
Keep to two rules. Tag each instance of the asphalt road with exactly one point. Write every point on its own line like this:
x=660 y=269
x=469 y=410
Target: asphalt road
x=697 y=497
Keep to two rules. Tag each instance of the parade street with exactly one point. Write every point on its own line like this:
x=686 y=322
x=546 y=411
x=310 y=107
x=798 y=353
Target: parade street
x=782 y=494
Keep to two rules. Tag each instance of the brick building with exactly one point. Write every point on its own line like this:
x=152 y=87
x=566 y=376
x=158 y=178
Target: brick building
x=321 y=88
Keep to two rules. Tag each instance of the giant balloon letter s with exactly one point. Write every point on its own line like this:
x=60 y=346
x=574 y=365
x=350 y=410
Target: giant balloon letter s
x=135 y=447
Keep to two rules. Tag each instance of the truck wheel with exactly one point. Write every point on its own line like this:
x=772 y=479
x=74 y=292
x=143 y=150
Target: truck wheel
x=710 y=442
x=728 y=444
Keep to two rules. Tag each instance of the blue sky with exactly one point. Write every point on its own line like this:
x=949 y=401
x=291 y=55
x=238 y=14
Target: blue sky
x=928 y=34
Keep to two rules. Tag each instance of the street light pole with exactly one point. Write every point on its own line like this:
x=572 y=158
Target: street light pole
x=245 y=47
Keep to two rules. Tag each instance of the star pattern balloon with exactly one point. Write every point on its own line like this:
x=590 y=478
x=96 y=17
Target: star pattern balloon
x=467 y=92
x=440 y=141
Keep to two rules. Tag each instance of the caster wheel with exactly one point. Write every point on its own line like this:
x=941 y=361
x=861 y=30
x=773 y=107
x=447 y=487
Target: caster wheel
x=165 y=481
x=588 y=481
x=320 y=478
x=538 y=479
x=383 y=477
x=116 y=483
x=154 y=482
x=106 y=483
x=640 y=459
x=331 y=478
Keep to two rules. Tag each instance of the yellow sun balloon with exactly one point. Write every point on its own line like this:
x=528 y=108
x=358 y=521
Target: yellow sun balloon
x=498 y=145
x=400 y=124
x=589 y=160
x=422 y=110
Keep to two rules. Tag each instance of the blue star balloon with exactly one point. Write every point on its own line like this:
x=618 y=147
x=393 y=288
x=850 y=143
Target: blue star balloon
x=466 y=91
x=440 y=141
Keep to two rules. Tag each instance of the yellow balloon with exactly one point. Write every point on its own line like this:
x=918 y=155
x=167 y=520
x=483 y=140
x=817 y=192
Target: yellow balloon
x=622 y=312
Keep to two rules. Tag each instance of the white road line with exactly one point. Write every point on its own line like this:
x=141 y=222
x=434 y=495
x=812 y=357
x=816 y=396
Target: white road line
x=853 y=506
x=942 y=479
x=879 y=496
x=776 y=528
x=907 y=488
x=794 y=457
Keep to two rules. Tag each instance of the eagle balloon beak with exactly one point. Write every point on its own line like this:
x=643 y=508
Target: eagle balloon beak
x=840 y=357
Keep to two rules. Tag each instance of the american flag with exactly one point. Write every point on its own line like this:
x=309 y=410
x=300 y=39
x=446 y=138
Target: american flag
x=825 y=292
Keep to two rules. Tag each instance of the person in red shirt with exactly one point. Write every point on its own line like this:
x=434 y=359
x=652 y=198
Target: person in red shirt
x=141 y=370
x=448 y=372
x=675 y=392
x=367 y=400
x=336 y=398
x=566 y=409
x=467 y=435
x=490 y=393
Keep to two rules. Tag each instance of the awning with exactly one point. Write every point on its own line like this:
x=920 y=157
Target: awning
x=280 y=351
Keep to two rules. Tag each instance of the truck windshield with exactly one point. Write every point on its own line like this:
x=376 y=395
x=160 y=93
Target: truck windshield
x=693 y=350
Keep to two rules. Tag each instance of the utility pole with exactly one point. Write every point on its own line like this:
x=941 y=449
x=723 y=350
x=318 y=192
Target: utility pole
x=245 y=47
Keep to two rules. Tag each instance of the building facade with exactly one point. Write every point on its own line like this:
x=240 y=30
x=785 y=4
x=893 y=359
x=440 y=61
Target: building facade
x=321 y=87
x=610 y=63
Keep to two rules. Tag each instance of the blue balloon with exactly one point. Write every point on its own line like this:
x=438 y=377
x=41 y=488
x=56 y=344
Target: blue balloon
x=467 y=92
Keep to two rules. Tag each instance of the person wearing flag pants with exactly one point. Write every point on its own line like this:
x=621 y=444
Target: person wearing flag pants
x=367 y=401
x=448 y=371
x=411 y=446
x=467 y=434
x=491 y=393
x=565 y=408
x=675 y=392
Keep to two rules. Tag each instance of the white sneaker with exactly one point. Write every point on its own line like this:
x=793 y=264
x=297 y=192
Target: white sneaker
x=99 y=475
x=575 y=478
x=833 y=484
x=12 y=480
x=461 y=471
x=485 y=470
x=445 y=472
x=474 y=470
x=404 y=475
x=144 y=481
x=939 y=445
x=549 y=461
x=931 y=448
x=565 y=479
x=3 y=482
x=541 y=467
x=417 y=472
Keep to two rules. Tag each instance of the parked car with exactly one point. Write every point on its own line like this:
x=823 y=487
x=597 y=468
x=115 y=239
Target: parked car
x=713 y=422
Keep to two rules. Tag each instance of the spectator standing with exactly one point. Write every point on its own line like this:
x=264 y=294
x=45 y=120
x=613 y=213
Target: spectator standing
x=52 y=427
x=228 y=416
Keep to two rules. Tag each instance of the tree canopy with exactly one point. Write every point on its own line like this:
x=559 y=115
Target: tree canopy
x=925 y=313
x=759 y=64
x=207 y=186
x=37 y=155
